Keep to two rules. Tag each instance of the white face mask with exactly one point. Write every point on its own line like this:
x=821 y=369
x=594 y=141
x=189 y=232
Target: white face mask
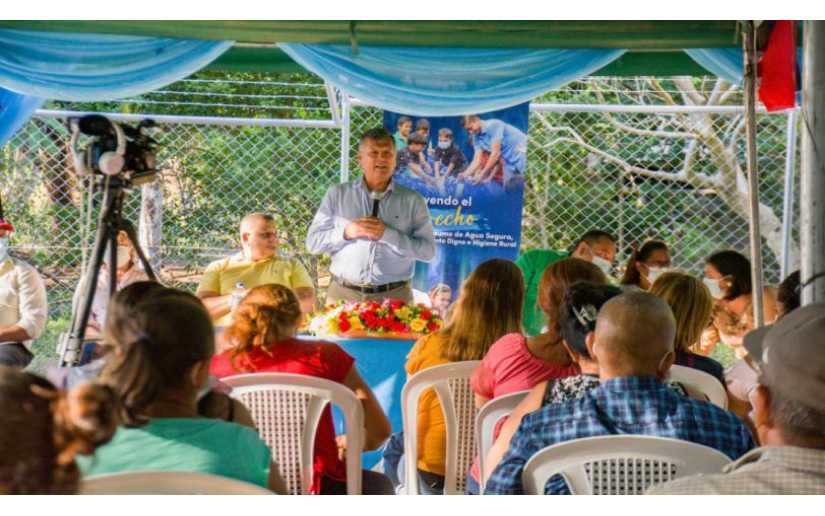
x=123 y=256
x=713 y=286
x=4 y=248
x=655 y=272
x=444 y=145
x=603 y=264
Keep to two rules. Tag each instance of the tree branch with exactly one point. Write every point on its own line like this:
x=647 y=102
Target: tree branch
x=689 y=92
x=657 y=87
x=637 y=131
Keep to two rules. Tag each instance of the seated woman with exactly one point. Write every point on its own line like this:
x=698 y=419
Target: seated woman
x=576 y=318
x=488 y=307
x=692 y=306
x=128 y=271
x=262 y=336
x=646 y=264
x=158 y=361
x=44 y=429
x=516 y=362
x=728 y=276
x=742 y=378
x=213 y=402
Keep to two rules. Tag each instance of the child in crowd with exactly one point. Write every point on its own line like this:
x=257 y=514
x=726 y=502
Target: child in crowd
x=262 y=336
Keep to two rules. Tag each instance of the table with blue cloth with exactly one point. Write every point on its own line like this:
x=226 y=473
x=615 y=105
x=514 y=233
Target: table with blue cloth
x=381 y=364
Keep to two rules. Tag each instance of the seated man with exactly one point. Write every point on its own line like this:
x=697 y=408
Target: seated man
x=23 y=309
x=596 y=246
x=258 y=263
x=789 y=415
x=633 y=345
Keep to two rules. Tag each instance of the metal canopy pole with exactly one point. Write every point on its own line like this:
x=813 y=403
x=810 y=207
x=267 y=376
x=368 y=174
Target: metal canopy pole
x=812 y=171
x=345 y=136
x=753 y=174
x=787 y=201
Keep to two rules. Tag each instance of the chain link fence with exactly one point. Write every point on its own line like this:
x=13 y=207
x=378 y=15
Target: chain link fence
x=676 y=174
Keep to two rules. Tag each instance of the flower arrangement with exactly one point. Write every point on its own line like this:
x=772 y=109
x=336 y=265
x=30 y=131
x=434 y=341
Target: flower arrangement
x=391 y=318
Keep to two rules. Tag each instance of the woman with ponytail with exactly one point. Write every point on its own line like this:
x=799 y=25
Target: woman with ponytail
x=44 y=429
x=646 y=264
x=158 y=361
x=262 y=339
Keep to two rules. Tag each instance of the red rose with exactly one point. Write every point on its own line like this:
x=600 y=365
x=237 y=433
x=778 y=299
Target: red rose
x=344 y=325
x=398 y=326
x=386 y=323
x=395 y=304
x=343 y=315
x=426 y=315
x=432 y=326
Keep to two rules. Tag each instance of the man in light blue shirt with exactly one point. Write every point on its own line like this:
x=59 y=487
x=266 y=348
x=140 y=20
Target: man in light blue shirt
x=374 y=229
x=496 y=141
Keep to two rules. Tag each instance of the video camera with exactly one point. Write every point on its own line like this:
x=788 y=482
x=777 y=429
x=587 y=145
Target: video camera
x=116 y=149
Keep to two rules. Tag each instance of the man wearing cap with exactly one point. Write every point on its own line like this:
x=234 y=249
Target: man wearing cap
x=23 y=308
x=633 y=345
x=789 y=415
x=373 y=228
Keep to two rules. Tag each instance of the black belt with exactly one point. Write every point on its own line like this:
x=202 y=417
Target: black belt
x=371 y=289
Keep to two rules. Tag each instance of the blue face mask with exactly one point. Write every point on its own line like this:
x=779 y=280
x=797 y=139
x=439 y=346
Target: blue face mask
x=4 y=248
x=444 y=145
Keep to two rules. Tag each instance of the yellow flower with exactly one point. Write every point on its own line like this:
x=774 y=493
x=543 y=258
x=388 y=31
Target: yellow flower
x=403 y=314
x=355 y=322
x=418 y=325
x=332 y=325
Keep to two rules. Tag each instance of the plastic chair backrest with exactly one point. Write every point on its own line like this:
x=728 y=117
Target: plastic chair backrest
x=287 y=408
x=451 y=383
x=619 y=464
x=167 y=483
x=486 y=420
x=702 y=382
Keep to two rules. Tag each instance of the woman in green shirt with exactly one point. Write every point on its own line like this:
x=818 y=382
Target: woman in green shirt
x=158 y=361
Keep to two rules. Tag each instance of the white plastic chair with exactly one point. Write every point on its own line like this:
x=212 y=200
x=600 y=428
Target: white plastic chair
x=167 y=483
x=702 y=382
x=619 y=464
x=287 y=408
x=451 y=383
x=486 y=420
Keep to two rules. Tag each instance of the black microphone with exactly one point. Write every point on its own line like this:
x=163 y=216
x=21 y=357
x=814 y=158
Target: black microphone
x=376 y=196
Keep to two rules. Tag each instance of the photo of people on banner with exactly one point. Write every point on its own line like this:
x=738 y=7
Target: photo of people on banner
x=470 y=169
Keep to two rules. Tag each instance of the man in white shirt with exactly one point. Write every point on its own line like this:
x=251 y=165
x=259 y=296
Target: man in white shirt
x=23 y=309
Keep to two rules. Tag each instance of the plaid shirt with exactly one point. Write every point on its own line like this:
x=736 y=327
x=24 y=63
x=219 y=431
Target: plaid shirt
x=769 y=470
x=628 y=405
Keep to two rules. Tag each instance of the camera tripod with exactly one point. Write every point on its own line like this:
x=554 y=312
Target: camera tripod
x=111 y=222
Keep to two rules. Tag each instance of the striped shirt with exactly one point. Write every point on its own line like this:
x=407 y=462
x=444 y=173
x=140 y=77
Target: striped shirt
x=640 y=405
x=767 y=470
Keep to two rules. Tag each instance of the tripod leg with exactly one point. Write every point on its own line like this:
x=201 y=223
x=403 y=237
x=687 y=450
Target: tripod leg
x=70 y=353
x=129 y=229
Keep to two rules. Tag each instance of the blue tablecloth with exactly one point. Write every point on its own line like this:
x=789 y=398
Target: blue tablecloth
x=381 y=364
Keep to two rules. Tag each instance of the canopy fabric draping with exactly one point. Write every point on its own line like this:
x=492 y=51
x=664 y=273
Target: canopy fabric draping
x=15 y=110
x=725 y=63
x=447 y=81
x=94 y=67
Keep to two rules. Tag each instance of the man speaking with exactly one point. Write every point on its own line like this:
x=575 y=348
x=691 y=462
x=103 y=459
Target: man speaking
x=374 y=230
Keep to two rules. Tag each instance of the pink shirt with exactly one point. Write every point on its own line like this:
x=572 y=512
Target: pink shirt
x=509 y=367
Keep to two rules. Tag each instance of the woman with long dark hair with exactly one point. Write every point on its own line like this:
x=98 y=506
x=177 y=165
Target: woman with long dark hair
x=646 y=264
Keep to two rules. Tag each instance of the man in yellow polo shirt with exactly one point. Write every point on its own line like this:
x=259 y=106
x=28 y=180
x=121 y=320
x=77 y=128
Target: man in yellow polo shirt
x=256 y=264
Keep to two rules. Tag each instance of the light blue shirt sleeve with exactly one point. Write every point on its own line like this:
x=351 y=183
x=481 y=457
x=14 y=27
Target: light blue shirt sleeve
x=326 y=233
x=420 y=244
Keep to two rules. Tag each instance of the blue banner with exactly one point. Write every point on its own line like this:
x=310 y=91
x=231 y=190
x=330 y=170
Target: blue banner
x=470 y=169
